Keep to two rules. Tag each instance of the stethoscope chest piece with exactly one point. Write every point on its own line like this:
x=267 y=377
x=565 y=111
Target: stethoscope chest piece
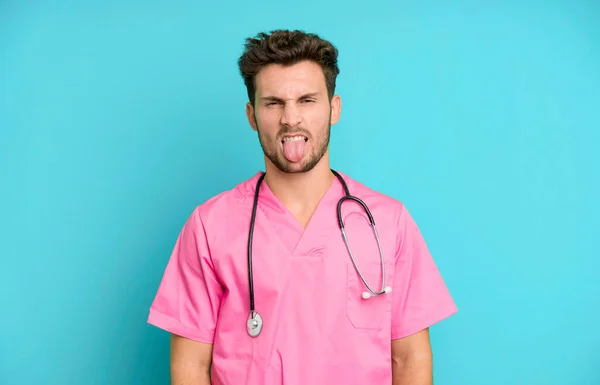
x=254 y=324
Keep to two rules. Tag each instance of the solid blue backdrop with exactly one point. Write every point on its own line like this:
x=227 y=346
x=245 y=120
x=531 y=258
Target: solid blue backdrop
x=118 y=118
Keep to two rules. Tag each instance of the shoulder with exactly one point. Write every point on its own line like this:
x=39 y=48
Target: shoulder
x=226 y=206
x=377 y=201
x=391 y=215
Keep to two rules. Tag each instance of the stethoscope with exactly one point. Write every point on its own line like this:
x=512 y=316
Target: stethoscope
x=254 y=323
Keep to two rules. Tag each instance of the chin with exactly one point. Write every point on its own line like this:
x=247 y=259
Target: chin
x=305 y=165
x=292 y=168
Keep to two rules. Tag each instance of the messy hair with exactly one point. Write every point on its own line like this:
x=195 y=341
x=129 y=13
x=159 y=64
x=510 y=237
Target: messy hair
x=287 y=48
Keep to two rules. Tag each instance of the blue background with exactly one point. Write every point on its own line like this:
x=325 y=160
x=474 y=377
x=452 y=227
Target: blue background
x=118 y=118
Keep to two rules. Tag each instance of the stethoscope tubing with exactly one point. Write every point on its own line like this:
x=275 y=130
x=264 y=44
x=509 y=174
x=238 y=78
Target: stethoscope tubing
x=250 y=237
x=255 y=320
x=349 y=197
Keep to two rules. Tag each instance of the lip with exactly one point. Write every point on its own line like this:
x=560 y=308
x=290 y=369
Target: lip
x=294 y=134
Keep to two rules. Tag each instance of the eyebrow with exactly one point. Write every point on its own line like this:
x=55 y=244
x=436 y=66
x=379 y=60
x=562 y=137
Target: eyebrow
x=276 y=99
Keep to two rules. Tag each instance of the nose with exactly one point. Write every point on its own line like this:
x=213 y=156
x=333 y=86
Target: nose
x=291 y=117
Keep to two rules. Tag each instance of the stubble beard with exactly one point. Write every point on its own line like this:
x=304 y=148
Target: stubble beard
x=271 y=150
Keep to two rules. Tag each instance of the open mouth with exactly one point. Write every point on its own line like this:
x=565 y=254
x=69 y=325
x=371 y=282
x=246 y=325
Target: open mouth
x=294 y=138
x=294 y=147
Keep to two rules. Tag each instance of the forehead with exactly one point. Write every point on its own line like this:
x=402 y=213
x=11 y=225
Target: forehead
x=290 y=81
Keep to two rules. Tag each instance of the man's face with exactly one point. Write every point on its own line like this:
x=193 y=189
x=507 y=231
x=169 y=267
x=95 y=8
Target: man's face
x=293 y=115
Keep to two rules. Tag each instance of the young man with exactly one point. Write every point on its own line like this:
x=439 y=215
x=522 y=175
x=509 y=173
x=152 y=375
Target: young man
x=267 y=289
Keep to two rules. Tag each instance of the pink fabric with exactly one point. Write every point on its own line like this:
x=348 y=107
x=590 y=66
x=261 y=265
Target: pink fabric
x=317 y=327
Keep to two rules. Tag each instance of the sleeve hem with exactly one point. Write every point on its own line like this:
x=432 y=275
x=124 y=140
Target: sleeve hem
x=165 y=322
x=400 y=332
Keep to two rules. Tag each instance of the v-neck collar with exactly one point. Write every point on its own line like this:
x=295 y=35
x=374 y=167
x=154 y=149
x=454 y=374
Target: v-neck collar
x=299 y=241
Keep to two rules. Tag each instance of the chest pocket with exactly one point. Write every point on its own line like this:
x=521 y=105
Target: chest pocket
x=373 y=313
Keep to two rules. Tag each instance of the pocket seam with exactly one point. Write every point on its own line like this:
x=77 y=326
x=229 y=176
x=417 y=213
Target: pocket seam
x=353 y=300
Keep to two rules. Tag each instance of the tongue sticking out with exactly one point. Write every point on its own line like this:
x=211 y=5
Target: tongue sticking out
x=293 y=150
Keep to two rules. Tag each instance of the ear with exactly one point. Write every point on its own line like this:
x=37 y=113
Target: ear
x=250 y=115
x=336 y=109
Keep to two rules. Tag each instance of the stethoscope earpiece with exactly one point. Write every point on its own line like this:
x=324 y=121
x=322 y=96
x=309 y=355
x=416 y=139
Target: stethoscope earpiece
x=367 y=295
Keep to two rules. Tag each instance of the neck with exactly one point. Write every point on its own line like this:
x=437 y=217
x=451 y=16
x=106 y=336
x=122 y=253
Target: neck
x=300 y=192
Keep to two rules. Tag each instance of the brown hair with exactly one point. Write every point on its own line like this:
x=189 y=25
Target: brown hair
x=287 y=48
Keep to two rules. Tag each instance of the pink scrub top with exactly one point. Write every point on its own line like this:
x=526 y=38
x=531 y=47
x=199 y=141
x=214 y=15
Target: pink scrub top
x=318 y=329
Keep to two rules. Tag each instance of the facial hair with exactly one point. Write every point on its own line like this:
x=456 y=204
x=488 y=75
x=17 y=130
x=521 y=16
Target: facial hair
x=271 y=149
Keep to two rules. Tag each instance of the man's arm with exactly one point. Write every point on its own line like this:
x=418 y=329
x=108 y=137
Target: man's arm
x=190 y=361
x=412 y=360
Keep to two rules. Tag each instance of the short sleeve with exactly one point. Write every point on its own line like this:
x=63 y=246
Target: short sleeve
x=189 y=294
x=420 y=296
